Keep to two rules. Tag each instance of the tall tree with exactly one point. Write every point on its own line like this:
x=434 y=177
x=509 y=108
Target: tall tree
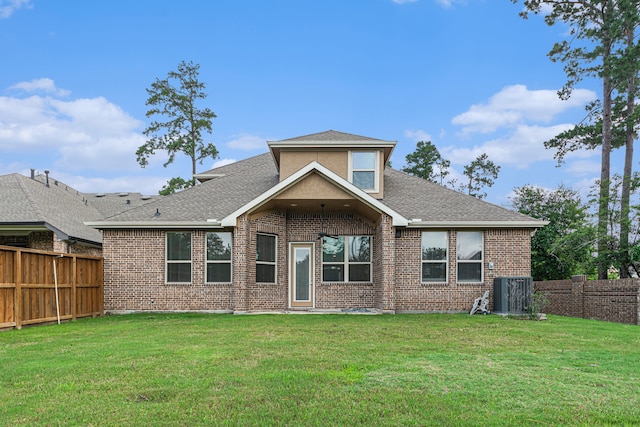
x=595 y=30
x=626 y=70
x=481 y=173
x=427 y=163
x=563 y=247
x=179 y=124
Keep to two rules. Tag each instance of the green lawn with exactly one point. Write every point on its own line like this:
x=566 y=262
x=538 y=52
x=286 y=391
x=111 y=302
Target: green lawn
x=197 y=369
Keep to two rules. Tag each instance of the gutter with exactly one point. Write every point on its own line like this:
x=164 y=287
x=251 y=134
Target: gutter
x=419 y=223
x=103 y=225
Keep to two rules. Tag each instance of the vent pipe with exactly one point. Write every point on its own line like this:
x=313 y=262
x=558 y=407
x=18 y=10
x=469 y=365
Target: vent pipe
x=33 y=173
x=46 y=174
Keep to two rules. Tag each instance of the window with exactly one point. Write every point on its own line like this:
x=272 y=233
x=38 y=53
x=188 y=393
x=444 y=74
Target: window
x=434 y=256
x=219 y=257
x=265 y=258
x=469 y=255
x=346 y=258
x=178 y=257
x=364 y=170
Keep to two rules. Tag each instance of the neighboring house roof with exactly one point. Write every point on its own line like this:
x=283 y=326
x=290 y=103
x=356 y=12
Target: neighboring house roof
x=28 y=204
x=242 y=186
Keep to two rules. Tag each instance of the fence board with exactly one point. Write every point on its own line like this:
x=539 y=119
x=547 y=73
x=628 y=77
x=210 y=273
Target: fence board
x=27 y=286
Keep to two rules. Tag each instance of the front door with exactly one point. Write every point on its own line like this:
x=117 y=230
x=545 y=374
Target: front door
x=301 y=275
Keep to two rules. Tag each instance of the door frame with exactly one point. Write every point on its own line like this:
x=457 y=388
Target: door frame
x=312 y=275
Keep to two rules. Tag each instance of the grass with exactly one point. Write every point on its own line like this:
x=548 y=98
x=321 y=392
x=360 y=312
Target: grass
x=196 y=369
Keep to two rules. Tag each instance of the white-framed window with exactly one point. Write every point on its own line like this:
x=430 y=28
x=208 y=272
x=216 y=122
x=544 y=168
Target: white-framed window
x=469 y=256
x=363 y=170
x=266 y=245
x=346 y=259
x=435 y=258
x=178 y=257
x=219 y=251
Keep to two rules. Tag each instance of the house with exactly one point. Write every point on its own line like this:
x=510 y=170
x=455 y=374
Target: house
x=317 y=223
x=40 y=212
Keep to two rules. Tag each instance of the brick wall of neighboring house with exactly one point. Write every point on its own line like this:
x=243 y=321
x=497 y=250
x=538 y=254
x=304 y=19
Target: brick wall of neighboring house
x=508 y=249
x=42 y=240
x=48 y=241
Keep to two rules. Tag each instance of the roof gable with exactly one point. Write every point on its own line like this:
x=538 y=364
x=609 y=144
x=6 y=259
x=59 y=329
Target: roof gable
x=313 y=167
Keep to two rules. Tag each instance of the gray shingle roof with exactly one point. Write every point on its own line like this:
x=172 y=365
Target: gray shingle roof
x=57 y=206
x=215 y=198
x=414 y=197
x=245 y=180
x=331 y=135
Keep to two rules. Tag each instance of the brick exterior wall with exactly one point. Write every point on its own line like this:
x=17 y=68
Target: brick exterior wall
x=48 y=241
x=609 y=300
x=135 y=267
x=508 y=249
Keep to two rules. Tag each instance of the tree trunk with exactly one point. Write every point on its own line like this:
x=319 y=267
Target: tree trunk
x=625 y=221
x=605 y=170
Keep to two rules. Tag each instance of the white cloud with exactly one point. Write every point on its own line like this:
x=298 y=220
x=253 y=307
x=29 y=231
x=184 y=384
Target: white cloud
x=417 y=135
x=222 y=162
x=583 y=168
x=516 y=104
x=246 y=142
x=140 y=184
x=7 y=7
x=88 y=133
x=40 y=85
x=523 y=147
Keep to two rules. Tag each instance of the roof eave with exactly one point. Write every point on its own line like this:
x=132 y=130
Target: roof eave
x=477 y=224
x=104 y=225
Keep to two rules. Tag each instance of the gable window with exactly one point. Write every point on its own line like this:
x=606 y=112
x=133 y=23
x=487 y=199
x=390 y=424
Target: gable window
x=219 y=257
x=363 y=170
x=469 y=254
x=265 y=258
x=434 y=256
x=346 y=259
x=178 y=257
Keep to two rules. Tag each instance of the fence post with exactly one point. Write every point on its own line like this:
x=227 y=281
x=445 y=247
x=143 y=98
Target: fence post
x=638 y=302
x=17 y=297
x=74 y=288
x=577 y=291
x=101 y=287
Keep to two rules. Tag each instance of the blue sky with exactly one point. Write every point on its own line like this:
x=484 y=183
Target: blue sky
x=469 y=75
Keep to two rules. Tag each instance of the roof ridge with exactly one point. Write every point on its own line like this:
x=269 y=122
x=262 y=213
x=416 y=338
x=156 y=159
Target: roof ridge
x=21 y=180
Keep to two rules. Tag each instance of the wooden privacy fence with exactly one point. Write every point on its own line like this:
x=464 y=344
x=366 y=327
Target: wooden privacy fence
x=28 y=287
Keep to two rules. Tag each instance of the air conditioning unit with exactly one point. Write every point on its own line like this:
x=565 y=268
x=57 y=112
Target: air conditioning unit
x=512 y=295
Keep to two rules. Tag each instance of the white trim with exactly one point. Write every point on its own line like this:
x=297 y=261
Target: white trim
x=376 y=169
x=477 y=224
x=446 y=261
x=274 y=263
x=345 y=262
x=300 y=143
x=231 y=219
x=312 y=267
x=167 y=262
x=207 y=261
x=209 y=224
x=481 y=261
